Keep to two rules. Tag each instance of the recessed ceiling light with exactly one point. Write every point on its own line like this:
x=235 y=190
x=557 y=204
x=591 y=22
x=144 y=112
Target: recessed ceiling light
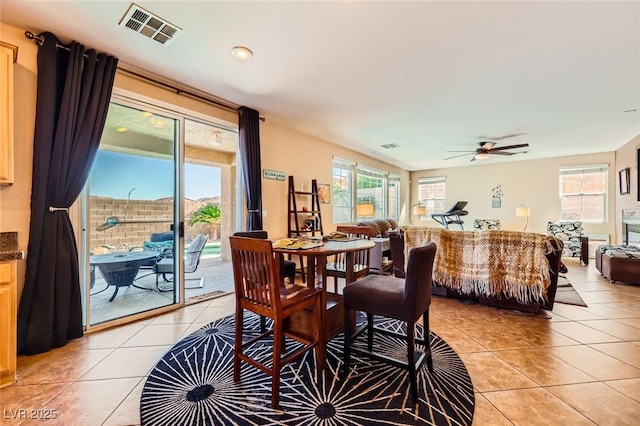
x=147 y=114
x=241 y=53
x=158 y=123
x=121 y=129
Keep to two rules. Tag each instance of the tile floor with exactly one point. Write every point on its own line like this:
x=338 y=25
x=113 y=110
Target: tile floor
x=572 y=366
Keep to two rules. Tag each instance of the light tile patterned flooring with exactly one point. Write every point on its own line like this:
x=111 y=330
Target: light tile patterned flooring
x=579 y=366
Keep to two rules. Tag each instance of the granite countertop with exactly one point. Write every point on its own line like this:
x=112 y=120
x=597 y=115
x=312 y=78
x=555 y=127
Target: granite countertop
x=9 y=247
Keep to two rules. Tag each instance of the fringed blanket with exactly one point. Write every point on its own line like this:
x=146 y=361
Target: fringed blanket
x=488 y=263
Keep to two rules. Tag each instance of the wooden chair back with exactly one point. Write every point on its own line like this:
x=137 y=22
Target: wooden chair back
x=361 y=257
x=255 y=274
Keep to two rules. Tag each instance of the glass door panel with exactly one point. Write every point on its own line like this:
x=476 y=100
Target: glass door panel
x=132 y=211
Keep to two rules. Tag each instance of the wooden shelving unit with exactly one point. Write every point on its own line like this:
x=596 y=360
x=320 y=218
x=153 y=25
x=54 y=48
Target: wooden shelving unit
x=305 y=217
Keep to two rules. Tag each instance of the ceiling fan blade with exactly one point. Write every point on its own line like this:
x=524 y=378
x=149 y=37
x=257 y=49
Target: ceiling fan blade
x=473 y=158
x=466 y=150
x=513 y=135
x=461 y=155
x=502 y=148
x=493 y=151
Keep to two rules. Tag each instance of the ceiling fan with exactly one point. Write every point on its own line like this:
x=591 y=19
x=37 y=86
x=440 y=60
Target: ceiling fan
x=486 y=148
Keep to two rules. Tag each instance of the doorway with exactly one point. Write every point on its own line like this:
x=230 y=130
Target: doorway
x=132 y=215
x=155 y=174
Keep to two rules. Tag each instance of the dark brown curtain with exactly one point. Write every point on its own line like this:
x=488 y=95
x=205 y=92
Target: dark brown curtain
x=74 y=89
x=249 y=126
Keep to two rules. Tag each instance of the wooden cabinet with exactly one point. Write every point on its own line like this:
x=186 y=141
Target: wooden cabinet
x=8 y=325
x=8 y=55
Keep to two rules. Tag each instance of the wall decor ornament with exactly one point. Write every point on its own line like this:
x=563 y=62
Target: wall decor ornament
x=496 y=199
x=624 y=179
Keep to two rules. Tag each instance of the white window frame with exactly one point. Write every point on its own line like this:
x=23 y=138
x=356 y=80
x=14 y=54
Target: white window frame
x=431 y=203
x=342 y=173
x=393 y=197
x=379 y=199
x=584 y=170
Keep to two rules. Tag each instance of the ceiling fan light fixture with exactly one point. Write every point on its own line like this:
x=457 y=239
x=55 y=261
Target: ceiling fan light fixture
x=482 y=156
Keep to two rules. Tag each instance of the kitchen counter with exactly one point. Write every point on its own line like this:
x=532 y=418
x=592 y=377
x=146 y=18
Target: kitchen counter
x=9 y=247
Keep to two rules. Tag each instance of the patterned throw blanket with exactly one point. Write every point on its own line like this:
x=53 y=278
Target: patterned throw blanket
x=488 y=263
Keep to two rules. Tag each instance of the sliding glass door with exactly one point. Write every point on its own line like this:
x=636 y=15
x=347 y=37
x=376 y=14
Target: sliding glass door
x=132 y=221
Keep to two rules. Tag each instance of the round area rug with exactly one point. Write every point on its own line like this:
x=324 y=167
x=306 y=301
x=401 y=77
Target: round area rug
x=193 y=385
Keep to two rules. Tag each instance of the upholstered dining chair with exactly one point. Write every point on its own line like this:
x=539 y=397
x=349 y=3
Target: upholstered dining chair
x=256 y=277
x=571 y=233
x=406 y=300
x=288 y=268
x=338 y=268
x=486 y=224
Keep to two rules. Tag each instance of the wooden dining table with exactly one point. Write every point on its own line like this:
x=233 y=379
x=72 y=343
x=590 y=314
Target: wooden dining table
x=332 y=317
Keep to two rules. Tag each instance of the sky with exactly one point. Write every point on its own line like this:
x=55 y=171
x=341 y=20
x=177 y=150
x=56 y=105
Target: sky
x=117 y=175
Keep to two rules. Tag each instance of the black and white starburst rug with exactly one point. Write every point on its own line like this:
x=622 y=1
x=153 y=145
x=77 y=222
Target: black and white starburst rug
x=193 y=385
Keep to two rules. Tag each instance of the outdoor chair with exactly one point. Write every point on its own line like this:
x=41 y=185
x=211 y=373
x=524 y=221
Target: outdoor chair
x=257 y=279
x=404 y=299
x=164 y=266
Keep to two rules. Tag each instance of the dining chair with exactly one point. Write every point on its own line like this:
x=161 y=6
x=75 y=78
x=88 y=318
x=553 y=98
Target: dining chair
x=405 y=299
x=338 y=268
x=256 y=277
x=288 y=268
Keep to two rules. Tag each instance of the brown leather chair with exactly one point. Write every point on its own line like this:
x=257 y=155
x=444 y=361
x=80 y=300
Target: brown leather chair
x=402 y=299
x=338 y=268
x=256 y=276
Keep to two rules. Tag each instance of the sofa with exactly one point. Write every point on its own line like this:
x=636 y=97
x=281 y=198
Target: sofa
x=507 y=269
x=380 y=228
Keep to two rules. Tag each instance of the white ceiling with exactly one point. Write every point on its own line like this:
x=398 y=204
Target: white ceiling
x=431 y=77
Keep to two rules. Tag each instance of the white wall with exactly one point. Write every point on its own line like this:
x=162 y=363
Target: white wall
x=534 y=183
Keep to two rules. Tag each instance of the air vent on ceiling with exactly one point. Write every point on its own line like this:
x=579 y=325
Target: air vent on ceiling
x=149 y=25
x=390 y=145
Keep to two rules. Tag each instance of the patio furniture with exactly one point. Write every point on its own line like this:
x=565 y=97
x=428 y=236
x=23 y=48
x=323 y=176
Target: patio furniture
x=257 y=277
x=164 y=266
x=119 y=269
x=405 y=299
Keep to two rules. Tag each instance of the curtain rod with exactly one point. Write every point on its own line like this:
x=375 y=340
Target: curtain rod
x=229 y=106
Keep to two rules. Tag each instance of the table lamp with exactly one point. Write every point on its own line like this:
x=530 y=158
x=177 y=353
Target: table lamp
x=364 y=210
x=524 y=211
x=418 y=210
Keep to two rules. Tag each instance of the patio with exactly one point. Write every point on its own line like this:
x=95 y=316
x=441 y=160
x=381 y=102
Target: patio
x=218 y=280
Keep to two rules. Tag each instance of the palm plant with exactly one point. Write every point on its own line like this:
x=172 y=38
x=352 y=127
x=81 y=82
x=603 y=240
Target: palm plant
x=208 y=213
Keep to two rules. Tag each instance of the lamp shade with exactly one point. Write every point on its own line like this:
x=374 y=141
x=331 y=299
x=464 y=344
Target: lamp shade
x=523 y=211
x=419 y=210
x=364 y=210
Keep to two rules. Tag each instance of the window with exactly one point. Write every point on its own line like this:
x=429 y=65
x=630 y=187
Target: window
x=432 y=192
x=393 y=197
x=342 y=190
x=371 y=202
x=583 y=193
